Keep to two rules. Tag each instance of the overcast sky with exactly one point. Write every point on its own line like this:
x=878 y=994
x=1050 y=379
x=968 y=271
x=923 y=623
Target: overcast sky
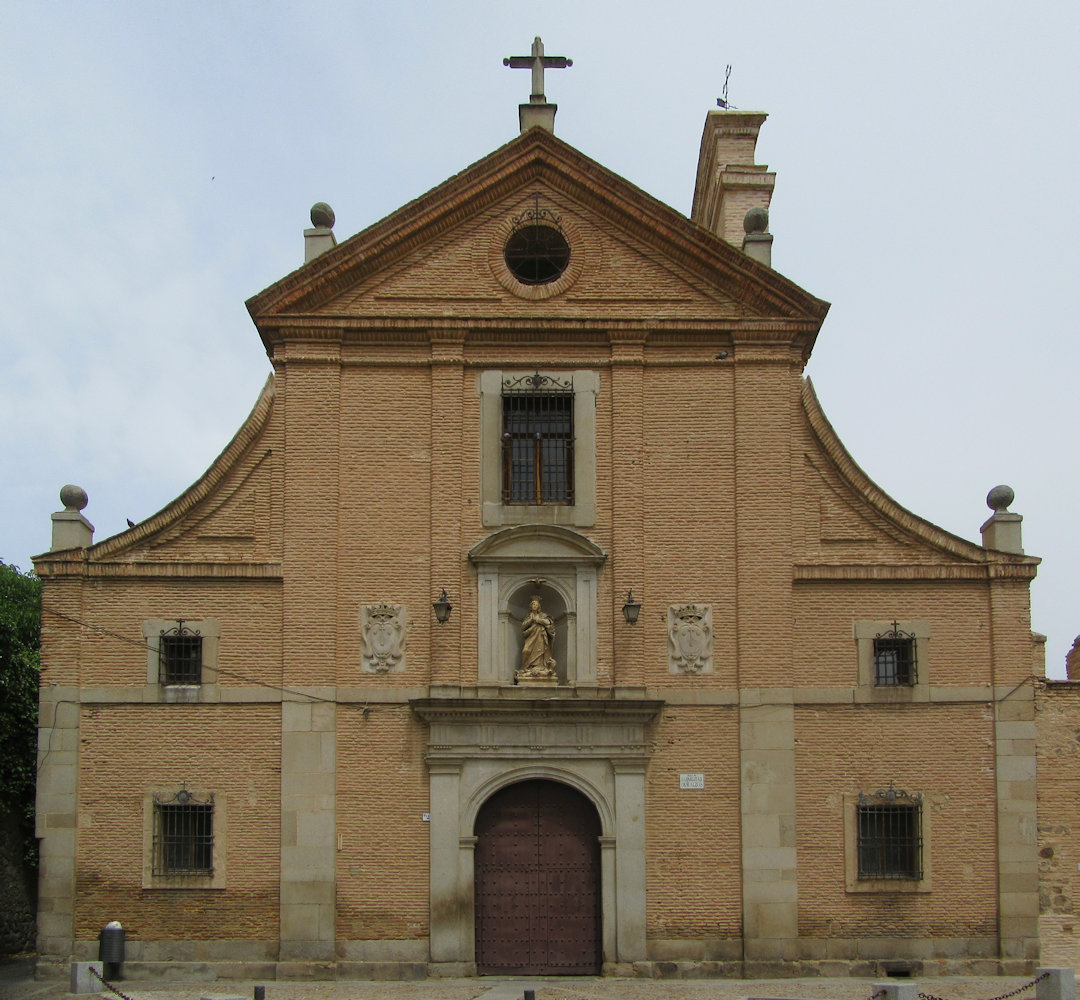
x=158 y=160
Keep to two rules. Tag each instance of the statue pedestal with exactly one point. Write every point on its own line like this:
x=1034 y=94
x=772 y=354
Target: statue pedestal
x=525 y=681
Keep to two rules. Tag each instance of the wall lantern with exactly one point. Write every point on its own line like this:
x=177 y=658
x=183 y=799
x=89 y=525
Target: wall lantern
x=631 y=609
x=442 y=607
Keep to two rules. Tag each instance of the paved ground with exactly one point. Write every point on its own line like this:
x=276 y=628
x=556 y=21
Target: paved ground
x=17 y=983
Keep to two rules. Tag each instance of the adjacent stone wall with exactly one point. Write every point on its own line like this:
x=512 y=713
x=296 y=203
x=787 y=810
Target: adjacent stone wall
x=1058 y=727
x=18 y=889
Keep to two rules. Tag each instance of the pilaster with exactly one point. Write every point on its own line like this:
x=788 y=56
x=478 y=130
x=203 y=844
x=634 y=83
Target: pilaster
x=766 y=391
x=311 y=401
x=630 y=859
x=446 y=445
x=767 y=797
x=627 y=481
x=308 y=827
x=1015 y=763
x=451 y=865
x=56 y=820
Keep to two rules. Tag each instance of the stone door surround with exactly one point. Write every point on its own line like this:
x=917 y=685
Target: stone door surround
x=477 y=746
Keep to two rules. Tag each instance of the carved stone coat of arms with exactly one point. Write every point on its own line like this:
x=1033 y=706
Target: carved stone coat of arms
x=382 y=631
x=690 y=638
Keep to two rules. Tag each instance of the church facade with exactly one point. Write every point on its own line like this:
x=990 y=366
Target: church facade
x=537 y=621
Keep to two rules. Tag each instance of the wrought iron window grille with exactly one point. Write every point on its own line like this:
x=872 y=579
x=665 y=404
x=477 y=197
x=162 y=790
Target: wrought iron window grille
x=536 y=251
x=536 y=216
x=890 y=844
x=180 y=655
x=895 y=658
x=538 y=439
x=183 y=835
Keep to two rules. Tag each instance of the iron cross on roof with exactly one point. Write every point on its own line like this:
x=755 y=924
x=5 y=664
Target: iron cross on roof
x=538 y=62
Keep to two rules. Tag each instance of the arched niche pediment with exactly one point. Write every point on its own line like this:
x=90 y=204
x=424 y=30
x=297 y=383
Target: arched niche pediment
x=537 y=542
x=549 y=561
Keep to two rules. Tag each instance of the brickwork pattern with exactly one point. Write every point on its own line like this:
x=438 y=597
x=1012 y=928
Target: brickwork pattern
x=693 y=871
x=130 y=750
x=943 y=752
x=688 y=545
x=382 y=863
x=248 y=611
x=384 y=558
x=959 y=653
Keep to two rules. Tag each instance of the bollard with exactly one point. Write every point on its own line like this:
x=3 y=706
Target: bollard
x=530 y=995
x=111 y=948
x=1059 y=984
x=260 y=993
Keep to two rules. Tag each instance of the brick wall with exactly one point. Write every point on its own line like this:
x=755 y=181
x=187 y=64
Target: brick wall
x=382 y=863
x=693 y=842
x=943 y=752
x=129 y=750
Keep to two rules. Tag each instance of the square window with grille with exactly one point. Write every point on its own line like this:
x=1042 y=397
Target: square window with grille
x=890 y=836
x=895 y=660
x=538 y=440
x=180 y=656
x=183 y=835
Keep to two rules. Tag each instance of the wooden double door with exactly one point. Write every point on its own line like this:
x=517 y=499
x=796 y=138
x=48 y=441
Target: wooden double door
x=537 y=870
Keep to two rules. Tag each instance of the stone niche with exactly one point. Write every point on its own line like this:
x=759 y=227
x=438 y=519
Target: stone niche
x=555 y=563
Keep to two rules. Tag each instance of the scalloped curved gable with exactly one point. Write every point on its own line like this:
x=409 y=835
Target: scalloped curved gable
x=229 y=513
x=848 y=520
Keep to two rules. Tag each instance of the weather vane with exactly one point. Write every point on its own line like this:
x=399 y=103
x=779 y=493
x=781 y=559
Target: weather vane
x=722 y=102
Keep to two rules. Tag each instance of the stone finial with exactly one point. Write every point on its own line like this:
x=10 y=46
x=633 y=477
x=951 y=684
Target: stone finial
x=1002 y=530
x=757 y=243
x=756 y=220
x=70 y=530
x=322 y=215
x=320 y=237
x=73 y=497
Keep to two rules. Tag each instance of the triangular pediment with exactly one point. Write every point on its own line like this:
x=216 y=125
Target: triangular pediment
x=442 y=255
x=464 y=271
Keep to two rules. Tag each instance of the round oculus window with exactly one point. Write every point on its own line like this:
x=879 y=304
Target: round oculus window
x=537 y=255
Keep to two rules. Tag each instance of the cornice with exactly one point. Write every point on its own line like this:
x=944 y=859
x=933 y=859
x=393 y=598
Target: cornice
x=803 y=572
x=413 y=329
x=533 y=711
x=191 y=570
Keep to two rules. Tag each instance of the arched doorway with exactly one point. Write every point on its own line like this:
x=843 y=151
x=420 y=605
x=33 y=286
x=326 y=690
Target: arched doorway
x=537 y=870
